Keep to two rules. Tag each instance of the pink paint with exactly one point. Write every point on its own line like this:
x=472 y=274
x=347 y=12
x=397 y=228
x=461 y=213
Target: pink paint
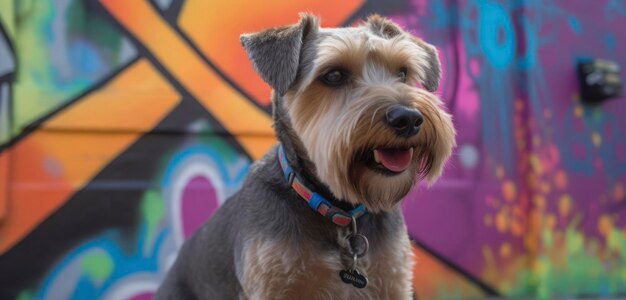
x=143 y=296
x=467 y=100
x=199 y=203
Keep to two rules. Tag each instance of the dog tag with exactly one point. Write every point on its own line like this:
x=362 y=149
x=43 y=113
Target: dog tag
x=354 y=278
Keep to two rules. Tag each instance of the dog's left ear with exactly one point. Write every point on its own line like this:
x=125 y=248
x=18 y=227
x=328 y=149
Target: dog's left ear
x=275 y=52
x=388 y=29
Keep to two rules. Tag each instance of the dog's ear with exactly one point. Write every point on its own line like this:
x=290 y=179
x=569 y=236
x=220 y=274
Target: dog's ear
x=388 y=29
x=433 y=76
x=383 y=27
x=275 y=52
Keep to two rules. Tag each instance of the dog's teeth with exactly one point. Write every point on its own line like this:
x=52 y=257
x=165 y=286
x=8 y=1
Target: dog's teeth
x=411 y=150
x=376 y=158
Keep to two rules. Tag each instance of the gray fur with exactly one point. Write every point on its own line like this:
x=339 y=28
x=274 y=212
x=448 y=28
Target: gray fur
x=266 y=206
x=383 y=27
x=275 y=52
x=210 y=264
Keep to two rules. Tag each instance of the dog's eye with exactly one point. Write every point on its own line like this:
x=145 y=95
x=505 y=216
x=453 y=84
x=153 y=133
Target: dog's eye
x=334 y=77
x=402 y=74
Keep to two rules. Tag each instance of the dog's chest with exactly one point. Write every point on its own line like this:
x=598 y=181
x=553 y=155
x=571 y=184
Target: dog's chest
x=275 y=269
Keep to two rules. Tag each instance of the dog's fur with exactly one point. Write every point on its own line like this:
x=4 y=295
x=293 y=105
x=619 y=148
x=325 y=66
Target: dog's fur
x=265 y=242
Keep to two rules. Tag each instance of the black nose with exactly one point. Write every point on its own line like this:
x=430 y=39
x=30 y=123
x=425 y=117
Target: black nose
x=405 y=121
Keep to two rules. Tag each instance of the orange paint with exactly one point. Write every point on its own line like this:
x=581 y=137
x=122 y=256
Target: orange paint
x=4 y=183
x=430 y=277
x=229 y=107
x=215 y=26
x=509 y=192
x=560 y=179
x=50 y=166
x=605 y=225
x=502 y=221
x=565 y=205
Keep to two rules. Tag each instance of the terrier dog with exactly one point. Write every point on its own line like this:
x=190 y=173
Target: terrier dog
x=318 y=216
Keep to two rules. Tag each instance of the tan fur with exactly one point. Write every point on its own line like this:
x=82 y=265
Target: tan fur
x=287 y=270
x=333 y=127
x=334 y=124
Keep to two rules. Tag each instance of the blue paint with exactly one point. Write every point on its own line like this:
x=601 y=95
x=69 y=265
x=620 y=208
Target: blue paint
x=125 y=264
x=615 y=9
x=496 y=35
x=86 y=59
x=610 y=41
x=574 y=24
x=219 y=159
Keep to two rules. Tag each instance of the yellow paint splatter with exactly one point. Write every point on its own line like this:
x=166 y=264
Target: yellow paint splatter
x=535 y=163
x=560 y=179
x=540 y=202
x=505 y=250
x=596 y=138
x=499 y=172
x=605 y=225
x=565 y=205
x=509 y=191
x=502 y=221
x=578 y=111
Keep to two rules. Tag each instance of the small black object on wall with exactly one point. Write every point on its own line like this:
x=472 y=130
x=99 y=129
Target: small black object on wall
x=599 y=80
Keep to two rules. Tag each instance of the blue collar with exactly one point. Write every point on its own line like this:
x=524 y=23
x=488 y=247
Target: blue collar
x=316 y=201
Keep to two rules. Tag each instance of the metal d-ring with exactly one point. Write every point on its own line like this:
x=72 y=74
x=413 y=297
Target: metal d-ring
x=353 y=240
x=354 y=261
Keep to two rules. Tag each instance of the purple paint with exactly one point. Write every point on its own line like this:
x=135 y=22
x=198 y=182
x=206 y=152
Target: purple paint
x=199 y=202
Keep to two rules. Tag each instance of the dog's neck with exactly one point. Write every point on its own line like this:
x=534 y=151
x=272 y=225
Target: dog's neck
x=297 y=155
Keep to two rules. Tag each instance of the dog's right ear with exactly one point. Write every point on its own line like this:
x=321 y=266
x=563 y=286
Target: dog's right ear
x=275 y=52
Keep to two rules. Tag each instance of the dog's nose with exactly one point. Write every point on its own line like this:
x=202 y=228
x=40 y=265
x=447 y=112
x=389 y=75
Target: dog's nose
x=406 y=121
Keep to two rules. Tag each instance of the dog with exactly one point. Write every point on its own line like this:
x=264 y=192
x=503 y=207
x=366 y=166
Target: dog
x=318 y=217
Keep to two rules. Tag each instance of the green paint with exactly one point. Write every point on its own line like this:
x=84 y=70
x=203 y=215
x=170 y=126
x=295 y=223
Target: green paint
x=576 y=266
x=85 y=24
x=152 y=211
x=7 y=17
x=50 y=76
x=97 y=265
x=25 y=295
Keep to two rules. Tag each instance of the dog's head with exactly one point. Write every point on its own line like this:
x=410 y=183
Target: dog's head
x=360 y=100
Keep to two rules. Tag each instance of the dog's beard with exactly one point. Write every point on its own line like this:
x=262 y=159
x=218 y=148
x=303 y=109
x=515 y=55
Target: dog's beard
x=341 y=137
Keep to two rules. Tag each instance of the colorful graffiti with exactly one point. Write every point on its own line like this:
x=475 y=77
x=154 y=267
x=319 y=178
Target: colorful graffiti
x=124 y=125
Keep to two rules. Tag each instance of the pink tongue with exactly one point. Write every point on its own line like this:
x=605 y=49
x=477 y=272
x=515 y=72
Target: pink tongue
x=394 y=160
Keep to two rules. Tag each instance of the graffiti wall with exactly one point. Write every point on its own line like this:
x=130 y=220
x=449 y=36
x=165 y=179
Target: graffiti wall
x=124 y=125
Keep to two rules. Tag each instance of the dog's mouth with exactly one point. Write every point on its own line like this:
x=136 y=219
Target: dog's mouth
x=390 y=161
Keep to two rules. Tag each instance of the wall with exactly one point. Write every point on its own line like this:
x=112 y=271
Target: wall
x=125 y=124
